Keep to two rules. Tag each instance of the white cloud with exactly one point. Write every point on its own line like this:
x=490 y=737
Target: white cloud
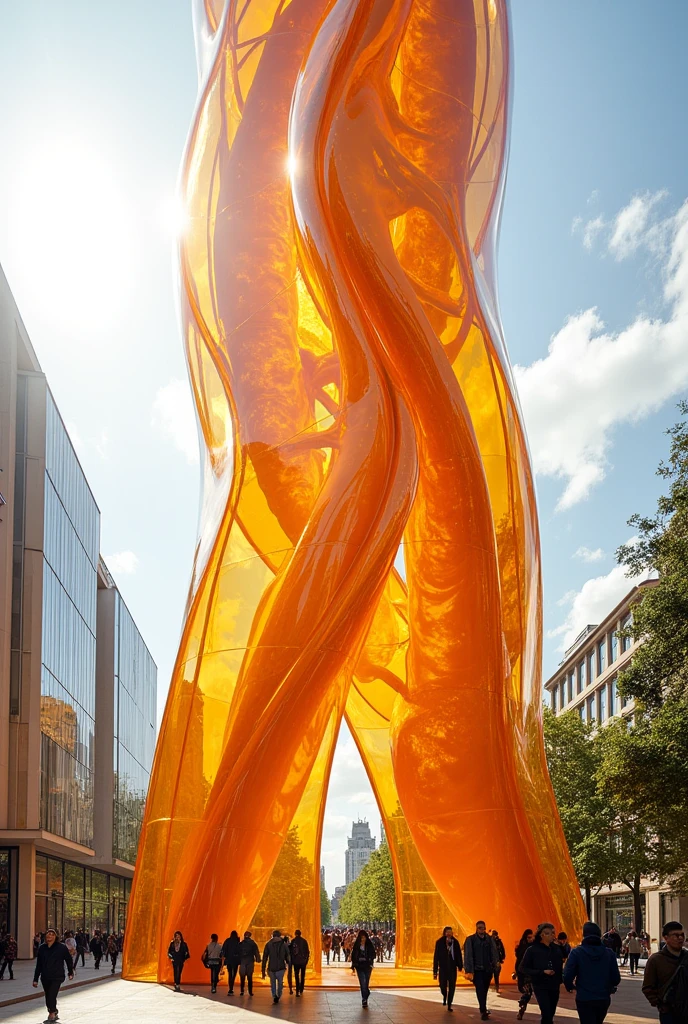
x=586 y=555
x=173 y=416
x=124 y=562
x=593 y=602
x=591 y=230
x=591 y=381
x=630 y=224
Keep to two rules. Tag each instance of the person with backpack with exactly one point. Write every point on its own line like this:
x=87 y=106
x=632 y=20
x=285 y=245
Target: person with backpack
x=276 y=959
x=501 y=955
x=665 y=981
x=592 y=971
x=300 y=955
x=249 y=955
x=542 y=962
x=212 y=958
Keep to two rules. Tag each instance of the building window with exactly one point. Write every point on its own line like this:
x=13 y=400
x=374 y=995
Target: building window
x=554 y=700
x=581 y=676
x=562 y=694
x=603 y=704
x=592 y=717
x=571 y=686
x=591 y=666
x=626 y=641
x=581 y=712
x=601 y=656
x=614 y=648
x=613 y=698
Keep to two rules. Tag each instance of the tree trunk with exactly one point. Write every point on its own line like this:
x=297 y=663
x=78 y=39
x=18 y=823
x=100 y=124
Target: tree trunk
x=588 y=898
x=637 y=907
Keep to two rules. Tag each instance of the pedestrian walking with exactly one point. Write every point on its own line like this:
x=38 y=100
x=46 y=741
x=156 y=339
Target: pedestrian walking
x=563 y=941
x=275 y=960
x=480 y=961
x=81 y=948
x=9 y=955
x=112 y=950
x=232 y=959
x=665 y=982
x=446 y=964
x=336 y=946
x=327 y=946
x=51 y=960
x=96 y=947
x=300 y=955
x=362 y=963
x=501 y=956
x=178 y=953
x=635 y=948
x=212 y=958
x=612 y=940
x=70 y=943
x=249 y=956
x=592 y=971
x=542 y=962
x=525 y=986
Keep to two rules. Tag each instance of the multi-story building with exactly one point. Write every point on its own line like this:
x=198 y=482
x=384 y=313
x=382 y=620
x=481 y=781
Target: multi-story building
x=77 y=684
x=360 y=846
x=339 y=892
x=586 y=683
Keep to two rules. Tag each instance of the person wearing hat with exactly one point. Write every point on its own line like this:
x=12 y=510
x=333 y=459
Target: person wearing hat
x=52 y=958
x=592 y=971
x=249 y=955
x=275 y=958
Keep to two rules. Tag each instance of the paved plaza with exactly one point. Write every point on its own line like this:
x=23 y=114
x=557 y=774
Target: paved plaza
x=124 y=1002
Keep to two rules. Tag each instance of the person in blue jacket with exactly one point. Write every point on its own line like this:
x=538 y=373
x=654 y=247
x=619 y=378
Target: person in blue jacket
x=592 y=970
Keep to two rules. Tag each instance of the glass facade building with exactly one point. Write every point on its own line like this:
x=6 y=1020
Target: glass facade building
x=135 y=690
x=70 y=896
x=68 y=648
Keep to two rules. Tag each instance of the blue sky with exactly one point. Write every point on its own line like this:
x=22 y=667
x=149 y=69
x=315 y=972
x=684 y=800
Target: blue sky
x=95 y=102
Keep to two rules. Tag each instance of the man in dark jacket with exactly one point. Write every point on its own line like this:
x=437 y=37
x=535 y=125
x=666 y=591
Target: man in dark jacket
x=543 y=962
x=593 y=971
x=275 y=959
x=665 y=982
x=300 y=955
x=447 y=963
x=232 y=959
x=53 y=957
x=501 y=955
x=249 y=955
x=96 y=947
x=480 y=962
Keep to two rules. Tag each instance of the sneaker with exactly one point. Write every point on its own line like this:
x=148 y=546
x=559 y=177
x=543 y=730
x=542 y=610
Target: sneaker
x=364 y=1004
x=450 y=1009
x=484 y=1016
x=275 y=999
x=444 y=1001
x=521 y=1011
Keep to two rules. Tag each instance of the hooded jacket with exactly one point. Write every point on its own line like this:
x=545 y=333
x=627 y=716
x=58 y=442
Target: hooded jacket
x=276 y=955
x=230 y=951
x=248 y=950
x=591 y=969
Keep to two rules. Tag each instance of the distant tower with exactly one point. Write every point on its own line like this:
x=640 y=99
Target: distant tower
x=322 y=876
x=361 y=845
x=383 y=834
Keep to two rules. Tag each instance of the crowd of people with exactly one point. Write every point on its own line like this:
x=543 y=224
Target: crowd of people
x=544 y=960
x=337 y=943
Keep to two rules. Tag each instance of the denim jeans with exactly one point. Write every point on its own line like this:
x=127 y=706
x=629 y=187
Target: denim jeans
x=364 y=973
x=276 y=983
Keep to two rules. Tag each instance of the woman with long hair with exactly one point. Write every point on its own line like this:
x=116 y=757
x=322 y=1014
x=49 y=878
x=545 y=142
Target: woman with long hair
x=543 y=963
x=232 y=958
x=362 y=962
x=178 y=953
x=523 y=981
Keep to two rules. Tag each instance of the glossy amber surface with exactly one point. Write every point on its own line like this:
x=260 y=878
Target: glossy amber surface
x=343 y=180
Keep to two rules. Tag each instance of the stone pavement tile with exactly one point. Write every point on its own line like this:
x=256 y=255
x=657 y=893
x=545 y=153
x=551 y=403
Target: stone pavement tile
x=23 y=978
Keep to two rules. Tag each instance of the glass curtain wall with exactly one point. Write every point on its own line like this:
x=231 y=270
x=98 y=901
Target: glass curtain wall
x=135 y=702
x=69 y=896
x=68 y=670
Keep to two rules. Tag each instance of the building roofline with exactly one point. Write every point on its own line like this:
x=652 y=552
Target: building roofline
x=21 y=326
x=587 y=634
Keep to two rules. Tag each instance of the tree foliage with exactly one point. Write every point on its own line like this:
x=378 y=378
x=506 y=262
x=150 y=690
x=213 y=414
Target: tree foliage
x=646 y=769
x=371 y=897
x=325 y=908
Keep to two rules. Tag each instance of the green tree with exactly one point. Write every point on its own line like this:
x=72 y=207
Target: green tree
x=325 y=909
x=646 y=768
x=574 y=759
x=371 y=897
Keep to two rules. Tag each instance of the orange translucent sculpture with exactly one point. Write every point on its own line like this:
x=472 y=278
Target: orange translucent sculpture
x=343 y=180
